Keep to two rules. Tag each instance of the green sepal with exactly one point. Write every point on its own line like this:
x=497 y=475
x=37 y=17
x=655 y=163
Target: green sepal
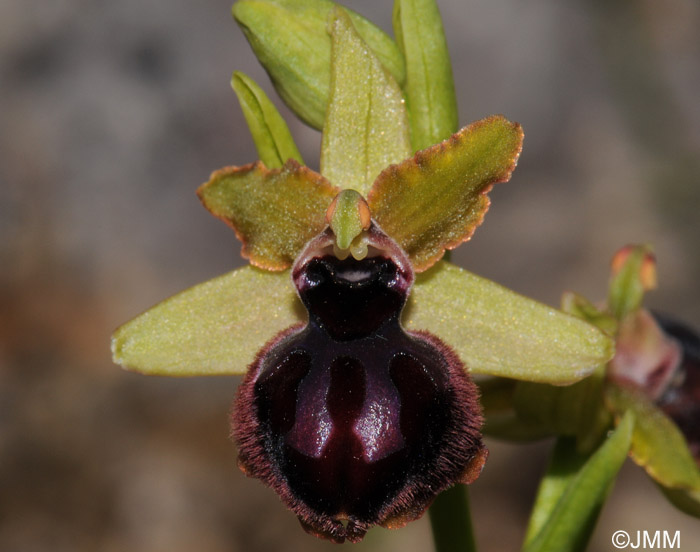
x=573 y=492
x=499 y=332
x=290 y=39
x=270 y=133
x=273 y=212
x=435 y=200
x=430 y=90
x=657 y=444
x=366 y=126
x=214 y=328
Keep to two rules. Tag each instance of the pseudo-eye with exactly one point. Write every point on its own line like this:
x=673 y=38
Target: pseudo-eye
x=351 y=419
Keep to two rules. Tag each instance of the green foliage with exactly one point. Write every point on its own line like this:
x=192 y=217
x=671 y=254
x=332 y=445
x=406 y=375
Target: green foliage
x=573 y=491
x=430 y=91
x=291 y=41
x=270 y=133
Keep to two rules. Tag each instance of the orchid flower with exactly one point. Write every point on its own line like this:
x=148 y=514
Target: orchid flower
x=651 y=386
x=356 y=337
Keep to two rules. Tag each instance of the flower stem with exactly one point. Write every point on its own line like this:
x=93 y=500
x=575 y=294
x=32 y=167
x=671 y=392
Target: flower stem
x=451 y=521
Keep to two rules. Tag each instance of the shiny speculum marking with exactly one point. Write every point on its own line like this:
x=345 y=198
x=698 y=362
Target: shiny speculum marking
x=350 y=418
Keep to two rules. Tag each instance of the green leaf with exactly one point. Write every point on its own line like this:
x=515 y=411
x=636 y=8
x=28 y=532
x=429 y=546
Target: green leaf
x=430 y=90
x=366 y=125
x=435 y=200
x=290 y=39
x=564 y=465
x=657 y=444
x=270 y=133
x=574 y=490
x=499 y=332
x=213 y=328
x=634 y=273
x=273 y=212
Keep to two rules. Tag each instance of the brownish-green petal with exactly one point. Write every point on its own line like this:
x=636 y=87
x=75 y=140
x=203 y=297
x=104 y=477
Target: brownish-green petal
x=273 y=212
x=435 y=200
x=499 y=332
x=270 y=133
x=366 y=127
x=430 y=89
x=213 y=328
x=657 y=444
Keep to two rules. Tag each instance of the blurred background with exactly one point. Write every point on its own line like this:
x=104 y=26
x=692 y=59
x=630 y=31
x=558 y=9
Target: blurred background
x=112 y=113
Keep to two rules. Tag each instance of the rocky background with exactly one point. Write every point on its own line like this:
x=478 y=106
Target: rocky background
x=112 y=113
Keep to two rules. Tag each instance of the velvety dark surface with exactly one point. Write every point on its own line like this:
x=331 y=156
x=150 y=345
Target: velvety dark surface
x=350 y=299
x=349 y=416
x=361 y=427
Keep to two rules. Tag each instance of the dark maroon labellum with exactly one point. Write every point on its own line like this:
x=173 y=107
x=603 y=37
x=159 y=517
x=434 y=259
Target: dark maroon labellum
x=350 y=418
x=681 y=399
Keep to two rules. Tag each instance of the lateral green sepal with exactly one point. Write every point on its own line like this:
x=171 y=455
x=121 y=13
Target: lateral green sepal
x=498 y=332
x=213 y=328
